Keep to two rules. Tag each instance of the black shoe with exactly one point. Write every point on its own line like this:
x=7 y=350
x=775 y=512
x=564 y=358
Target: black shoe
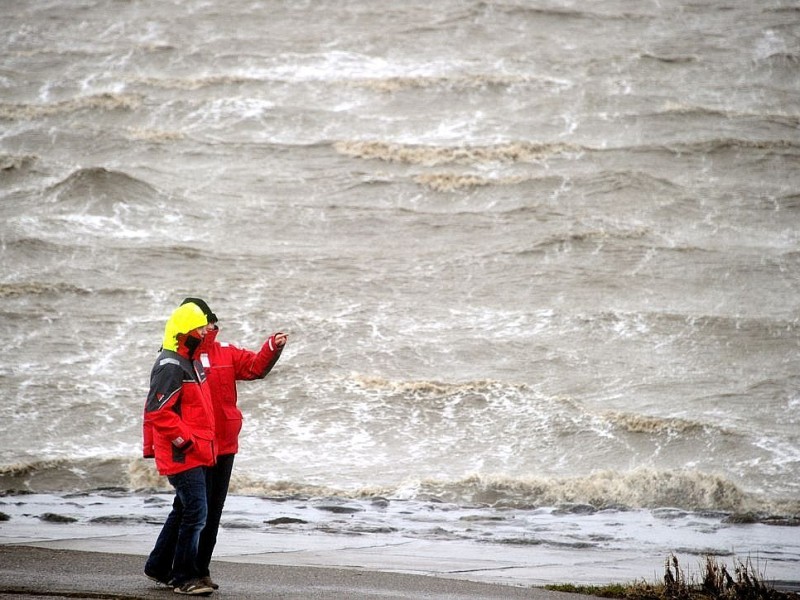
x=208 y=581
x=194 y=588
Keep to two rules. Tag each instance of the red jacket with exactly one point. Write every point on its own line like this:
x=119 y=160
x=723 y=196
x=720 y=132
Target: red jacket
x=224 y=364
x=178 y=416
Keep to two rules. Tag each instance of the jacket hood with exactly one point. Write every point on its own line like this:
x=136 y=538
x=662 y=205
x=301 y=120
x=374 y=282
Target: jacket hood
x=183 y=319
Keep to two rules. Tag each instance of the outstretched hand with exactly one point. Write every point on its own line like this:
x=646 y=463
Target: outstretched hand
x=281 y=339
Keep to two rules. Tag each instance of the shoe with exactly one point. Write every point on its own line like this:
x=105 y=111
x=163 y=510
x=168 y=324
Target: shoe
x=157 y=579
x=208 y=581
x=193 y=588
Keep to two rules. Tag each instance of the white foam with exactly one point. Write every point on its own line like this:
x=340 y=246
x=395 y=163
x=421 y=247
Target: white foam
x=607 y=546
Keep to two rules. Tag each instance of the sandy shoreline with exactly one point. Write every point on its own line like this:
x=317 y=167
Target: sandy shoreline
x=30 y=572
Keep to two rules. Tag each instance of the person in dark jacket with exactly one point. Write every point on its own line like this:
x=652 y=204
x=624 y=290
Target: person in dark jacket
x=179 y=433
x=225 y=364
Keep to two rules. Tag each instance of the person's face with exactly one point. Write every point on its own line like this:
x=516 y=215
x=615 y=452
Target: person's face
x=202 y=331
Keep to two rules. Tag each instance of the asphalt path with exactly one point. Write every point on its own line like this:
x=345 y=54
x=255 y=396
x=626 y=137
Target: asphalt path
x=30 y=572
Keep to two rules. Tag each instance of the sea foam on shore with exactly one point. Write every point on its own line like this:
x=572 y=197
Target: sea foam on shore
x=571 y=543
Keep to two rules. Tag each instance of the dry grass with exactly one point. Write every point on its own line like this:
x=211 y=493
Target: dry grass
x=715 y=583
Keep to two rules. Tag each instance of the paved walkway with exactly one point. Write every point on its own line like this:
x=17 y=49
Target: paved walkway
x=32 y=572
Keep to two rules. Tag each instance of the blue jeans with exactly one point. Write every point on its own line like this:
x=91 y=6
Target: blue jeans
x=218 y=481
x=174 y=556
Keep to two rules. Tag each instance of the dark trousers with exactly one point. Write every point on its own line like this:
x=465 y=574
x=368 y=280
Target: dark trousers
x=164 y=555
x=174 y=556
x=218 y=481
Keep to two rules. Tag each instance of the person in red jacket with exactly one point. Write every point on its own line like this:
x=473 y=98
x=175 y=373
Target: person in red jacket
x=179 y=433
x=224 y=365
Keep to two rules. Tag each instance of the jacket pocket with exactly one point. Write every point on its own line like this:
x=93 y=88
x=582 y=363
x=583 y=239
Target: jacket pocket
x=178 y=455
x=204 y=450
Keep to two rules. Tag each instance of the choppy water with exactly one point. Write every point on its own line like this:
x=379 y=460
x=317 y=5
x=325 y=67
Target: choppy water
x=529 y=253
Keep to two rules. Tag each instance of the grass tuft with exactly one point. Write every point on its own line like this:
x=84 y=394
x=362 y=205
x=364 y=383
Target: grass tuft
x=715 y=583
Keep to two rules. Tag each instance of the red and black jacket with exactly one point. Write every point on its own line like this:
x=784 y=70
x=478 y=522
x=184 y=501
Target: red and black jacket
x=179 y=415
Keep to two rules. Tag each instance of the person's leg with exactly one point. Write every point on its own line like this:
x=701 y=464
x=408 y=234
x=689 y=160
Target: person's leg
x=159 y=563
x=190 y=487
x=219 y=480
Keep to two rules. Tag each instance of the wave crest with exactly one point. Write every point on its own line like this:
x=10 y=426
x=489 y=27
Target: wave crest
x=450 y=182
x=677 y=59
x=454 y=83
x=11 y=163
x=724 y=144
x=784 y=59
x=105 y=102
x=633 y=423
x=10 y=290
x=646 y=489
x=196 y=83
x=64 y=474
x=705 y=112
x=643 y=488
x=430 y=388
x=154 y=135
x=639 y=489
x=511 y=152
x=100 y=186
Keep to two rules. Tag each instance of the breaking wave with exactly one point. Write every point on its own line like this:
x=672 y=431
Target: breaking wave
x=639 y=489
x=105 y=102
x=196 y=83
x=453 y=83
x=563 y=13
x=10 y=163
x=704 y=112
x=784 y=59
x=643 y=488
x=575 y=239
x=724 y=144
x=9 y=290
x=530 y=152
x=449 y=182
x=679 y=59
x=100 y=186
x=154 y=135
x=634 y=423
x=512 y=152
x=431 y=388
x=64 y=474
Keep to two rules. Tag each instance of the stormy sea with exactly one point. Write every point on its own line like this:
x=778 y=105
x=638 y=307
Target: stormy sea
x=538 y=261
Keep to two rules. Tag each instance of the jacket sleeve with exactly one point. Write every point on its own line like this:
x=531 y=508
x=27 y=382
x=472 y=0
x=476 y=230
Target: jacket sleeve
x=250 y=365
x=148 y=443
x=162 y=409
